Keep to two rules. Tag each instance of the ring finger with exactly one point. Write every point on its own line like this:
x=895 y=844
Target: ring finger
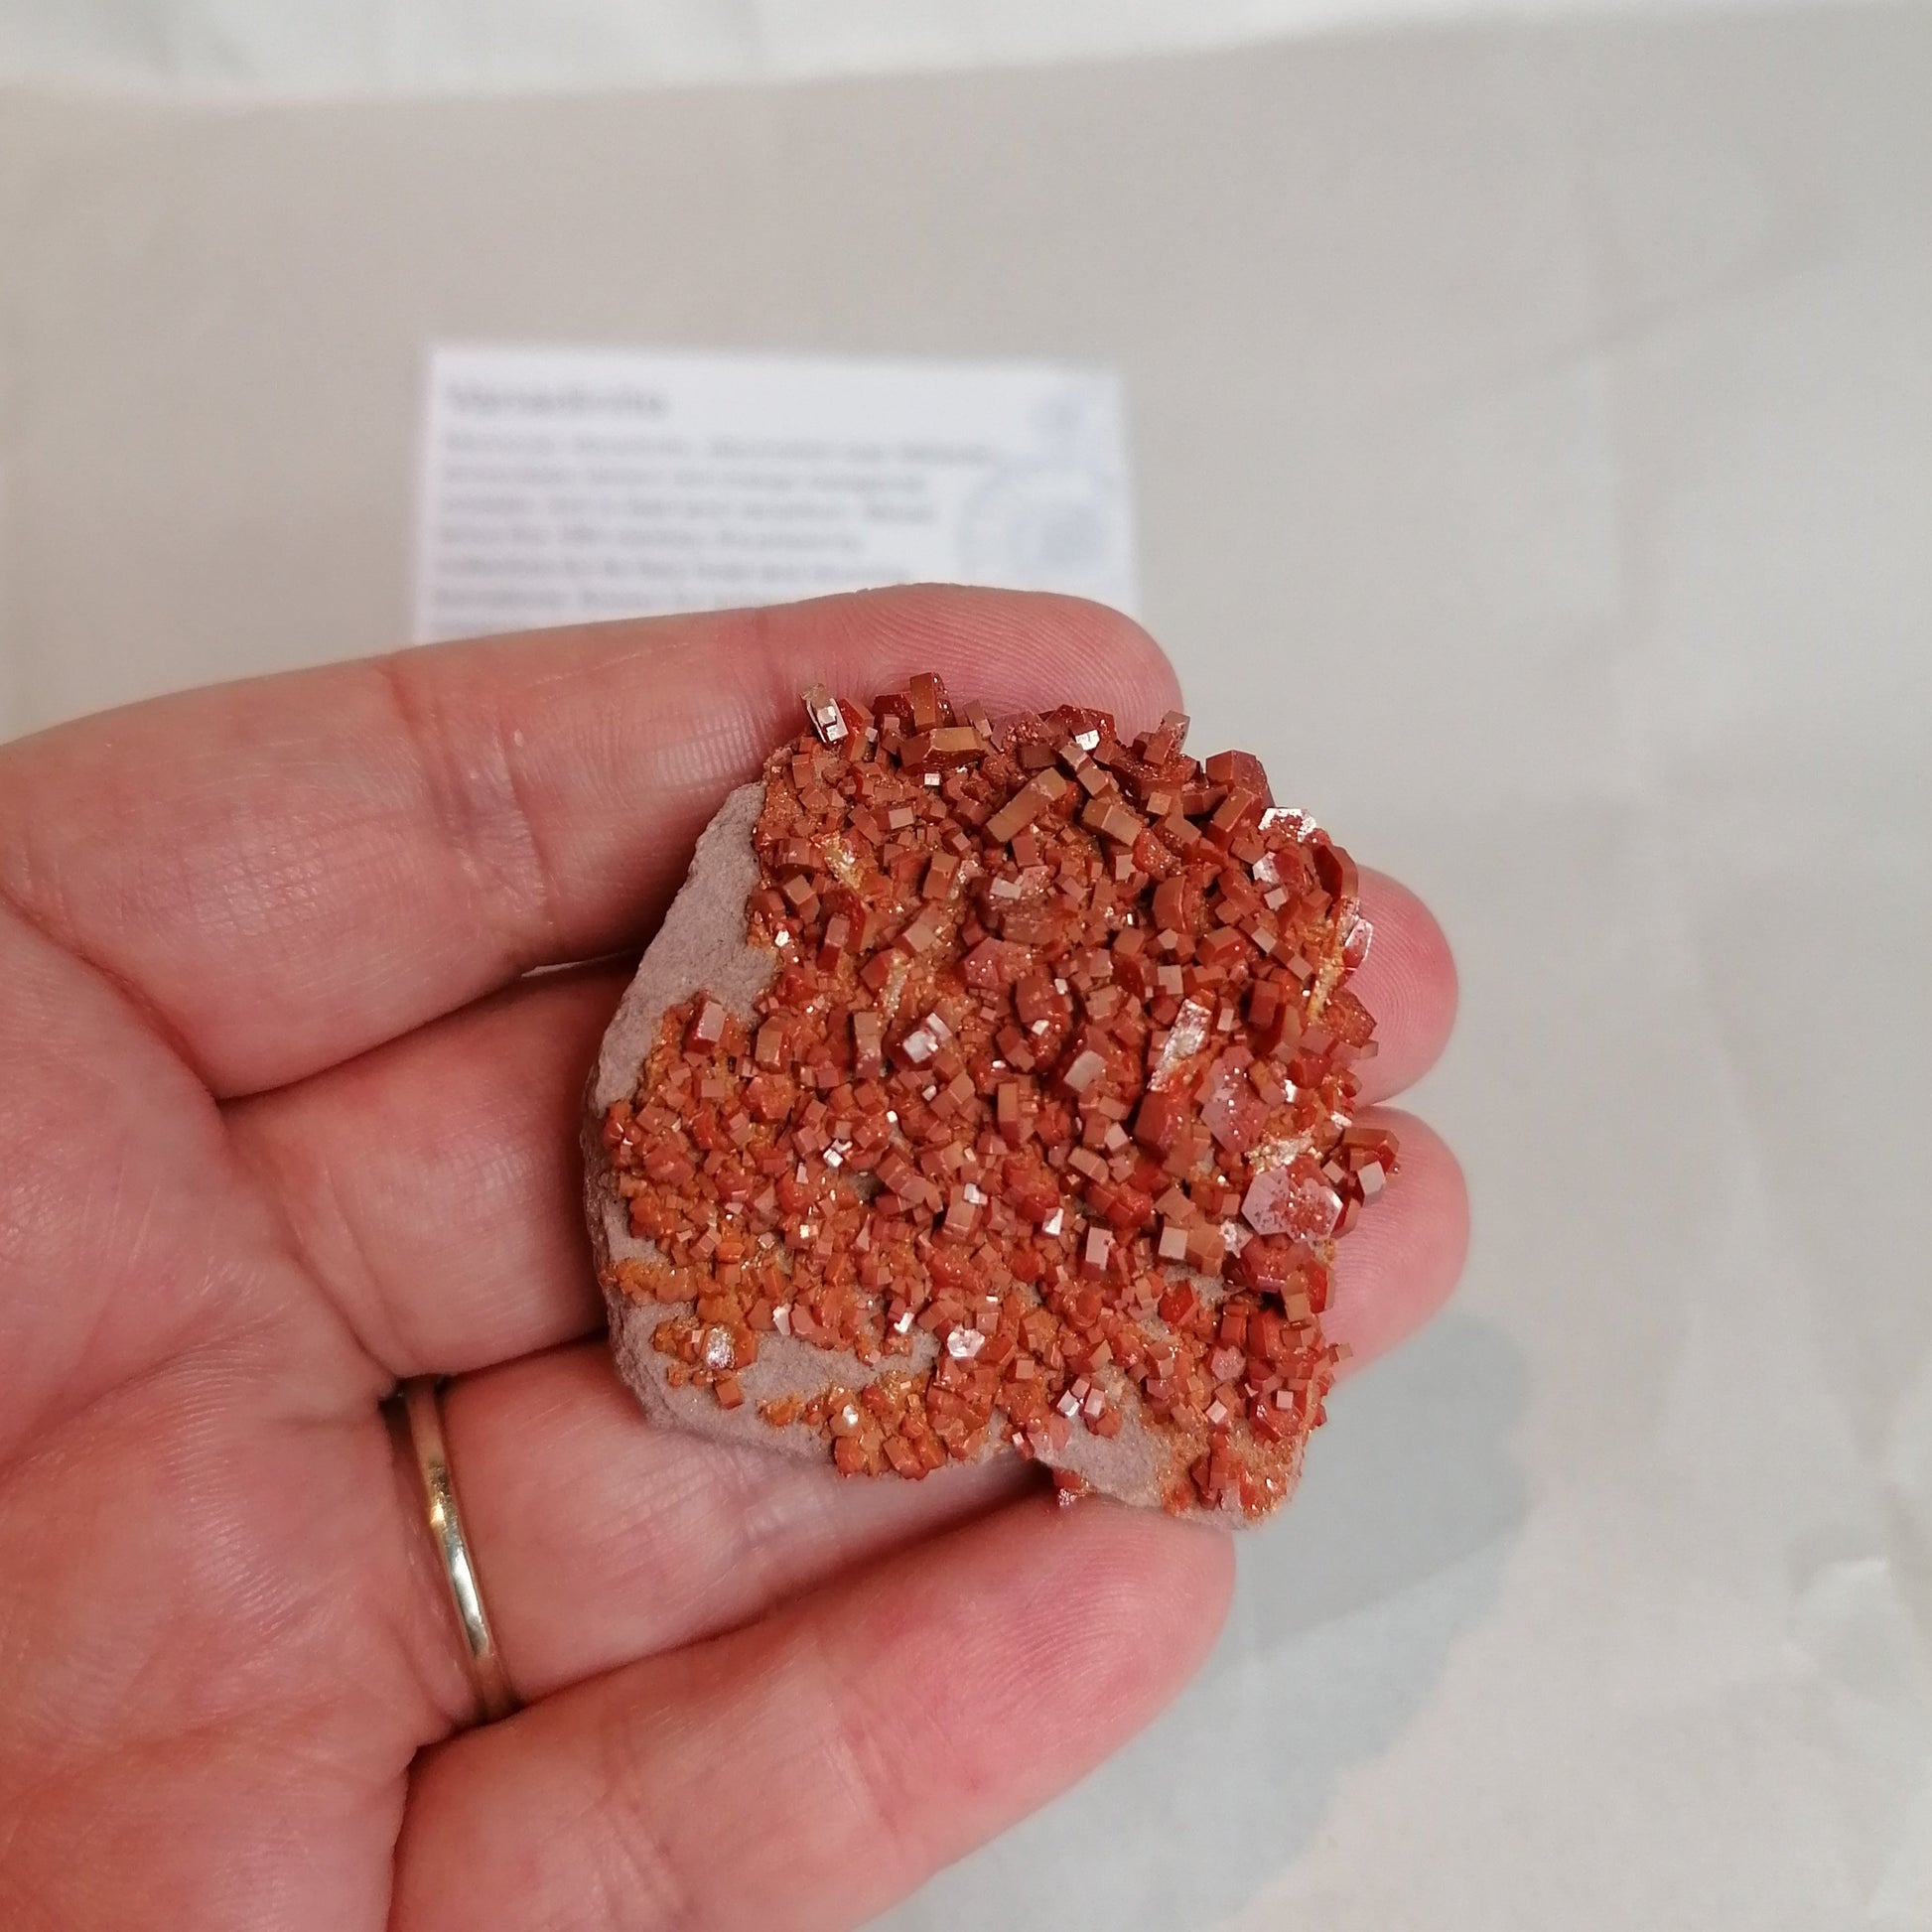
x=665 y=1538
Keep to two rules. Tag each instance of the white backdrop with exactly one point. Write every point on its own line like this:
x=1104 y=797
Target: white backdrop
x=346 y=45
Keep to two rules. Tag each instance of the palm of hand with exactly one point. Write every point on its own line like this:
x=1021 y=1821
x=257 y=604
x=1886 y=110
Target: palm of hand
x=280 y=1124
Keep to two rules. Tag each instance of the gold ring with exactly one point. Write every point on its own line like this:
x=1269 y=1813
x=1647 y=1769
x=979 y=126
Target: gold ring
x=495 y=1698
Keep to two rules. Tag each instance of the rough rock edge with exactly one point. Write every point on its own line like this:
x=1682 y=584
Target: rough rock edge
x=701 y=946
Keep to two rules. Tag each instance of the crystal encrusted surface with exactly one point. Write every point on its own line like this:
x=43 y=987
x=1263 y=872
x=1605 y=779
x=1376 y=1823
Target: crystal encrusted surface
x=1038 y=1133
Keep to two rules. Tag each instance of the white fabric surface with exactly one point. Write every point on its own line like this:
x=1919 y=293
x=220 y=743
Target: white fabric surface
x=1552 y=407
x=308 y=47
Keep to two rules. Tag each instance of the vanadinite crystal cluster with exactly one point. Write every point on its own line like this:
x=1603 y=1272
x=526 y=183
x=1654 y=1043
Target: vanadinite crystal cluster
x=1035 y=1133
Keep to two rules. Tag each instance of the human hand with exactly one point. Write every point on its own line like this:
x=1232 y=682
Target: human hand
x=285 y=1118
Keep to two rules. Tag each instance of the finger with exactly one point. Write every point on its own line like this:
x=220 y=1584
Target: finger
x=1403 y=1258
x=434 y=1184
x=1408 y=981
x=807 y=1771
x=288 y=871
x=668 y=1538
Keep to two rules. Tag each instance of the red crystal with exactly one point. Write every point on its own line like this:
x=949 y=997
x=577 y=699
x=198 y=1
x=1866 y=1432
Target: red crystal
x=1085 y=1119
